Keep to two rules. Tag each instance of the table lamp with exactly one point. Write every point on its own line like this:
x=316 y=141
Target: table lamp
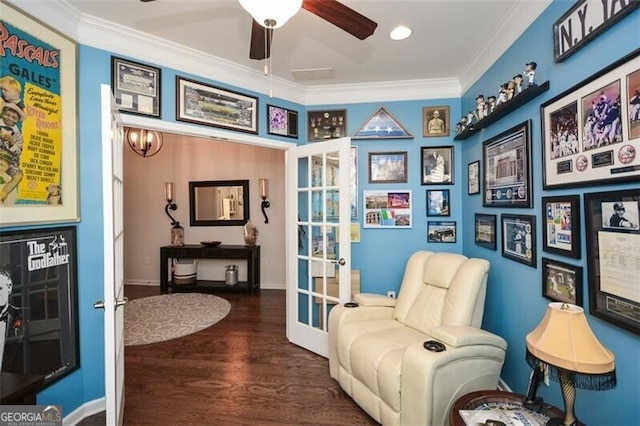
x=564 y=344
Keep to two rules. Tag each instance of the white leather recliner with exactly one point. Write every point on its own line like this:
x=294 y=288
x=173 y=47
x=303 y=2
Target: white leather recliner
x=377 y=351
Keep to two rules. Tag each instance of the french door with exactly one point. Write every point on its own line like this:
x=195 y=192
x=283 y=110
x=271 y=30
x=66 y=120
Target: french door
x=318 y=239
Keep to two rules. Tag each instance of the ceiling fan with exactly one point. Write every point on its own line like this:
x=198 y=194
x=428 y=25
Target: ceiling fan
x=332 y=11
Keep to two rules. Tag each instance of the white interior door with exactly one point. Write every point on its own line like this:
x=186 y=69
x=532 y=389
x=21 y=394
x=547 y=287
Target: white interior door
x=112 y=190
x=318 y=240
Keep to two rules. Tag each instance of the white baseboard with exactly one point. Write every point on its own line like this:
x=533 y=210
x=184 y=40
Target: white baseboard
x=87 y=409
x=142 y=282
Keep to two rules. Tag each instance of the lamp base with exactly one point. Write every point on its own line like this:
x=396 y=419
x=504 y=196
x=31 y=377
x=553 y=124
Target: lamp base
x=557 y=421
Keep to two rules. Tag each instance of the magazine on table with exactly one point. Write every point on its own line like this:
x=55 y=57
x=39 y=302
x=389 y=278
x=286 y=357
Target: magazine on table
x=503 y=416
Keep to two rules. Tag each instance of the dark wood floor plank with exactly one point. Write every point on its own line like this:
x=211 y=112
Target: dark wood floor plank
x=240 y=371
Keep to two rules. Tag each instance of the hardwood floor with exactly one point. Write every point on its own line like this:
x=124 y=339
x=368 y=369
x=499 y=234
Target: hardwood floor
x=240 y=371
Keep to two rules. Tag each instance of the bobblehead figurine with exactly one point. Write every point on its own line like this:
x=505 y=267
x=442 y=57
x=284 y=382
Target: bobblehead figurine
x=530 y=73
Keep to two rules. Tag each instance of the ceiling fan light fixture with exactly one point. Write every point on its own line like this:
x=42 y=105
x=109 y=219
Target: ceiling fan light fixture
x=400 y=33
x=271 y=13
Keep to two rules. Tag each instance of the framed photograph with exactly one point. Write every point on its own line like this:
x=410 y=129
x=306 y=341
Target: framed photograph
x=436 y=165
x=561 y=225
x=441 y=231
x=213 y=106
x=613 y=256
x=519 y=238
x=282 y=121
x=486 y=230
x=438 y=202
x=136 y=87
x=38 y=287
x=435 y=121
x=561 y=282
x=591 y=132
x=507 y=168
x=388 y=167
x=40 y=175
x=325 y=125
x=473 y=171
x=387 y=209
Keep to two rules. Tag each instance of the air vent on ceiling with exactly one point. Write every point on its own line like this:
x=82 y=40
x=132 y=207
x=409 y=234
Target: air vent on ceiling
x=312 y=74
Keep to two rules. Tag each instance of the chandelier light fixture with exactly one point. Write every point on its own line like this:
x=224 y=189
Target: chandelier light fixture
x=271 y=13
x=145 y=143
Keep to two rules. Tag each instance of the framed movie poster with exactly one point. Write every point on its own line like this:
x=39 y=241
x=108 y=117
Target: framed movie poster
x=519 y=238
x=202 y=103
x=613 y=256
x=561 y=225
x=136 y=87
x=561 y=282
x=591 y=132
x=38 y=153
x=507 y=168
x=38 y=300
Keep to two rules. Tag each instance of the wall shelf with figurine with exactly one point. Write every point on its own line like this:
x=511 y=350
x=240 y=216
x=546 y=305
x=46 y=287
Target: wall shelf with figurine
x=503 y=110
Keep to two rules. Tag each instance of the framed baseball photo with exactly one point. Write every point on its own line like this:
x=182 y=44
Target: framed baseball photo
x=561 y=282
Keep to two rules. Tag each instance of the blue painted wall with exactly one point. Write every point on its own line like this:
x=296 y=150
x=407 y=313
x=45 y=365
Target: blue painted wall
x=514 y=304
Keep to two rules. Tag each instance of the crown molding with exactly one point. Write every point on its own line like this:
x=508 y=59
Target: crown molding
x=125 y=41
x=519 y=18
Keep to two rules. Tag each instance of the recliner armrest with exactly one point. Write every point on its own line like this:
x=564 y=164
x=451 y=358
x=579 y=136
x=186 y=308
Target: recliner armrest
x=457 y=336
x=371 y=299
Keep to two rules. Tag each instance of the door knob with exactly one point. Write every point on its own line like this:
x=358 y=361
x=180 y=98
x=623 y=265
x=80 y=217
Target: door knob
x=98 y=305
x=340 y=261
x=121 y=302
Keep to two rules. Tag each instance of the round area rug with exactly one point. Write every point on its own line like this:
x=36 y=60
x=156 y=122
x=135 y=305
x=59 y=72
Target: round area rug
x=169 y=316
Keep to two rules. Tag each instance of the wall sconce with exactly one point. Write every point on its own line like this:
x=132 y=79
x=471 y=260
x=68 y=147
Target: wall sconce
x=264 y=194
x=145 y=143
x=168 y=195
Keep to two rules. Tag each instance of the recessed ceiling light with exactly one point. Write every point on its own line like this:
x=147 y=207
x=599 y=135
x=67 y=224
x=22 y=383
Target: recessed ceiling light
x=400 y=33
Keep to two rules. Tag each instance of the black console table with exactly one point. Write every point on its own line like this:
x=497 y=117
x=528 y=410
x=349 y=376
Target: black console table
x=19 y=389
x=250 y=254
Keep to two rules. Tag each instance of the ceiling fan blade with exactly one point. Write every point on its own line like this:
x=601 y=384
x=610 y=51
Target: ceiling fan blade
x=342 y=17
x=258 y=45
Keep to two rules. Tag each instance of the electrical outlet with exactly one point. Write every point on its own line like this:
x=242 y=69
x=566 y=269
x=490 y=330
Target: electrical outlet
x=391 y=294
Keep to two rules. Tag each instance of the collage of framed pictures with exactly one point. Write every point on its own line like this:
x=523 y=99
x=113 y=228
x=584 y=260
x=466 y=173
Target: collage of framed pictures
x=518 y=238
x=591 y=132
x=507 y=168
x=388 y=167
x=209 y=105
x=613 y=256
x=282 y=122
x=387 y=209
x=136 y=87
x=436 y=165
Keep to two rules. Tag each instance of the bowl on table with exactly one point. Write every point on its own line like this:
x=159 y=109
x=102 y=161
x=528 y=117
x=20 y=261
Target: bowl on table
x=210 y=243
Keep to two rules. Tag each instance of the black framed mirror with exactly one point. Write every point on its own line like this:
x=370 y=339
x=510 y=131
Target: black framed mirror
x=219 y=203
